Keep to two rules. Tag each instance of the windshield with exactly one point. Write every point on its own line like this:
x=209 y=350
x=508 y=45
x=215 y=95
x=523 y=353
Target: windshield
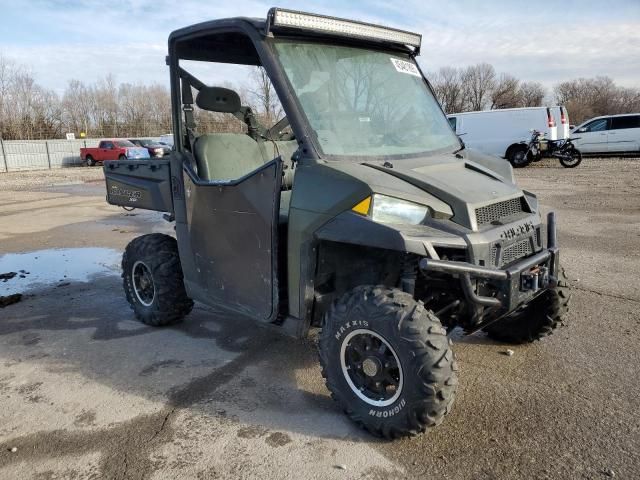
x=364 y=102
x=124 y=143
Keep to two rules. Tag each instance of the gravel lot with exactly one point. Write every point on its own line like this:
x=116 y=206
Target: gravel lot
x=87 y=392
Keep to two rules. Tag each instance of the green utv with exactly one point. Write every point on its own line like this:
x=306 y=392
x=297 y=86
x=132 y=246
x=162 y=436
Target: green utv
x=360 y=213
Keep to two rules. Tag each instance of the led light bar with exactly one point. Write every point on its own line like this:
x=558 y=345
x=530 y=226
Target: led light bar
x=280 y=18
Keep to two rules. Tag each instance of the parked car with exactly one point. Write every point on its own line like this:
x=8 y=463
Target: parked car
x=167 y=139
x=609 y=134
x=112 y=149
x=156 y=149
x=501 y=132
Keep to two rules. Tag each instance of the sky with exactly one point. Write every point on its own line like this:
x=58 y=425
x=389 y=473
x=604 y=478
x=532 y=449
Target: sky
x=545 y=41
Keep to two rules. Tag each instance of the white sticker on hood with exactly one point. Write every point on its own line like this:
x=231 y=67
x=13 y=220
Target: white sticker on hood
x=403 y=66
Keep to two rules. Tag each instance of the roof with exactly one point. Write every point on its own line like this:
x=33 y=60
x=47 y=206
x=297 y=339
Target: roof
x=517 y=109
x=256 y=23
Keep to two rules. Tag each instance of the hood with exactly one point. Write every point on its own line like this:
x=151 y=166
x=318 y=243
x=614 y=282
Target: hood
x=461 y=184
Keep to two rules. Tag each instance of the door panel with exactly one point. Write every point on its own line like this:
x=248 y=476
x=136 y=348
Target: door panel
x=232 y=241
x=595 y=139
x=623 y=136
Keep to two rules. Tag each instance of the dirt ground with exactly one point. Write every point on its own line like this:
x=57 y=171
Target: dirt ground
x=88 y=392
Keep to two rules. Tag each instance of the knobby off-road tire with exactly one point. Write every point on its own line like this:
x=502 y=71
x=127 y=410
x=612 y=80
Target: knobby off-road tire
x=576 y=159
x=519 y=157
x=538 y=319
x=413 y=338
x=153 y=281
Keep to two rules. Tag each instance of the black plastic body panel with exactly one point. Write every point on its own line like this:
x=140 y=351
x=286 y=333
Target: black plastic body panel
x=228 y=241
x=142 y=184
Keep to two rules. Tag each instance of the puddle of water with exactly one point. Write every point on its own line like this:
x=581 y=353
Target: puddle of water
x=47 y=267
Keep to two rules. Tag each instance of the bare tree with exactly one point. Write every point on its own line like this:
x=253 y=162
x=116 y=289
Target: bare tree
x=590 y=97
x=77 y=107
x=532 y=94
x=106 y=106
x=506 y=92
x=478 y=82
x=264 y=98
x=448 y=86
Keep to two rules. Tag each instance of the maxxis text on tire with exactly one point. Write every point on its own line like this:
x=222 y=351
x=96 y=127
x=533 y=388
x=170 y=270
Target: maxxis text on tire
x=538 y=319
x=157 y=254
x=428 y=366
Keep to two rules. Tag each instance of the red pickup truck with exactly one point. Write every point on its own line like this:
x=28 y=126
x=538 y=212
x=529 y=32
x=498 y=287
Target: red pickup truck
x=112 y=149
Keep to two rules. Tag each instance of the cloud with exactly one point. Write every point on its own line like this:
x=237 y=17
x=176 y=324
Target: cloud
x=547 y=41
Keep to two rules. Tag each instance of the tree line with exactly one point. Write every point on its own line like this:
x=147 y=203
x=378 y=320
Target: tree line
x=108 y=109
x=479 y=87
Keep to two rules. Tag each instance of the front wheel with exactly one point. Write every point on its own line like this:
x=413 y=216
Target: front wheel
x=520 y=157
x=537 y=319
x=153 y=280
x=571 y=158
x=122 y=157
x=387 y=362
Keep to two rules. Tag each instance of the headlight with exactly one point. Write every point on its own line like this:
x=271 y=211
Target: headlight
x=158 y=150
x=385 y=209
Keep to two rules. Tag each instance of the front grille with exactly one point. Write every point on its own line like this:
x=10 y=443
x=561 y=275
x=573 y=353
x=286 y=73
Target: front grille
x=512 y=252
x=497 y=211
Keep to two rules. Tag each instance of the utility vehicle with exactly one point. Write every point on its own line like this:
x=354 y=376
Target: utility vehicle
x=359 y=214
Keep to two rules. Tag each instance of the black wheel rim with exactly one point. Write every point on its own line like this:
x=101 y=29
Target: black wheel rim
x=371 y=368
x=143 y=285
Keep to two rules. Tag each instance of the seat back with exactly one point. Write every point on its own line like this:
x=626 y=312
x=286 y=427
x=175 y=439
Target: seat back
x=227 y=156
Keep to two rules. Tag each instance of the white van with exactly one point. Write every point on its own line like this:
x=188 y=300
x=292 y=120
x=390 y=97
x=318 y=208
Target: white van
x=561 y=116
x=609 y=134
x=500 y=132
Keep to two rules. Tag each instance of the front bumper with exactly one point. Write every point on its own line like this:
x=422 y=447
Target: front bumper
x=513 y=286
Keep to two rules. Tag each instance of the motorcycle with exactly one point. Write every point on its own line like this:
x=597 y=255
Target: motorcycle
x=540 y=147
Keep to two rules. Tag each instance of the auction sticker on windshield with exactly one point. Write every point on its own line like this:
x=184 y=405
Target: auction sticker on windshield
x=403 y=66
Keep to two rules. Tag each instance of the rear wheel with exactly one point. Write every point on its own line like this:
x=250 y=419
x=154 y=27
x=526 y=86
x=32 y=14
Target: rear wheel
x=90 y=161
x=153 y=280
x=537 y=319
x=122 y=157
x=387 y=362
x=519 y=157
x=571 y=159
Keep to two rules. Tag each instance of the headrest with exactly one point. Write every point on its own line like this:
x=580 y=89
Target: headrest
x=218 y=99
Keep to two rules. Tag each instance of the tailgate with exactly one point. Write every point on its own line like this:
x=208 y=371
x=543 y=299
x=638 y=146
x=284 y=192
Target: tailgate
x=139 y=184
